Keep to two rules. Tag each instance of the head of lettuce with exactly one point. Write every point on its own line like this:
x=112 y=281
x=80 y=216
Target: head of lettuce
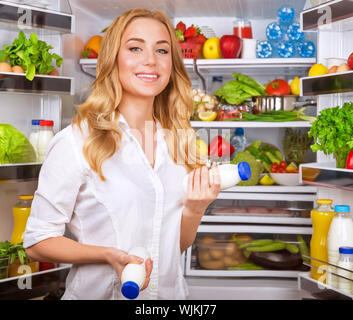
x=14 y=146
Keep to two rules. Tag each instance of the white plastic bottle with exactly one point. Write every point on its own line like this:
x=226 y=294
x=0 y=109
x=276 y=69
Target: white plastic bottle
x=345 y=261
x=339 y=235
x=230 y=175
x=134 y=275
x=34 y=134
x=46 y=133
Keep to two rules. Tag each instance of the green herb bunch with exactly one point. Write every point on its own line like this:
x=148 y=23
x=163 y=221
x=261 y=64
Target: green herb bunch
x=333 y=132
x=7 y=249
x=31 y=54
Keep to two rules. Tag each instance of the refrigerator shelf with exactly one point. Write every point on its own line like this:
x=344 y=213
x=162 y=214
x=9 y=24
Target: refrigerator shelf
x=250 y=124
x=320 y=290
x=327 y=84
x=329 y=16
x=41 y=84
x=273 y=189
x=15 y=172
x=40 y=283
x=226 y=65
x=325 y=174
x=262 y=219
x=15 y=16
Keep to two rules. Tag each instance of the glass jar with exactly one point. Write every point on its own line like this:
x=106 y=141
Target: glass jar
x=242 y=29
x=229 y=111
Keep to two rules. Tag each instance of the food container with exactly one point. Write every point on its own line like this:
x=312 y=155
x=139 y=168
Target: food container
x=230 y=111
x=284 y=103
x=335 y=62
x=286 y=179
x=249 y=49
x=190 y=50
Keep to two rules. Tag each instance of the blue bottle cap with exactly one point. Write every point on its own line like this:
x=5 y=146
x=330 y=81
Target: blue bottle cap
x=239 y=131
x=217 y=78
x=35 y=122
x=244 y=171
x=346 y=250
x=130 y=290
x=341 y=208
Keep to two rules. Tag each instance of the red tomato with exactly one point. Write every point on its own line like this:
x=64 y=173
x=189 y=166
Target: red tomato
x=283 y=164
x=295 y=171
x=282 y=170
x=278 y=87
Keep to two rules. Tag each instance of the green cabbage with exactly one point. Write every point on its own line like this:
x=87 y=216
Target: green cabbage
x=14 y=146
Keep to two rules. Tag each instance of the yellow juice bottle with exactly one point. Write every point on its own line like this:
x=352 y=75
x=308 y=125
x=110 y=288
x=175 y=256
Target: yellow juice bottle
x=321 y=217
x=21 y=211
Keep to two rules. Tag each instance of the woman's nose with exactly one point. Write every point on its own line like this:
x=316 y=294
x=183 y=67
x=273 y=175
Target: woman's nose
x=150 y=57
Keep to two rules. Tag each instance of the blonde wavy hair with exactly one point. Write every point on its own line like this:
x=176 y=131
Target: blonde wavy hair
x=172 y=107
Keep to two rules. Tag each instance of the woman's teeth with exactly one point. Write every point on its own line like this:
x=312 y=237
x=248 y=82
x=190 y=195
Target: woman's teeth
x=147 y=76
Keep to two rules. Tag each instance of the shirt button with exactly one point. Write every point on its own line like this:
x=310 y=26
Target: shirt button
x=153 y=286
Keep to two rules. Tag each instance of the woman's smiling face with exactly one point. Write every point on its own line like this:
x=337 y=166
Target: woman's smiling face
x=145 y=58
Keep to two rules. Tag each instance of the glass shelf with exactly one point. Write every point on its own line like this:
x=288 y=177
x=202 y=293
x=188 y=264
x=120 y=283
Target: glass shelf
x=327 y=84
x=41 y=84
x=45 y=19
x=225 y=65
x=327 y=175
x=318 y=17
x=19 y=171
x=250 y=124
x=42 y=282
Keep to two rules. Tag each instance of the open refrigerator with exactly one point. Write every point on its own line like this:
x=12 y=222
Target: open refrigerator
x=68 y=24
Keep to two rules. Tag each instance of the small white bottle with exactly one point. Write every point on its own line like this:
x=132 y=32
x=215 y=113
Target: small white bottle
x=339 y=235
x=46 y=133
x=34 y=134
x=134 y=275
x=345 y=261
x=230 y=175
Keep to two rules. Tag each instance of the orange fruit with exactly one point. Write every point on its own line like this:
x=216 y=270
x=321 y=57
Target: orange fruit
x=94 y=43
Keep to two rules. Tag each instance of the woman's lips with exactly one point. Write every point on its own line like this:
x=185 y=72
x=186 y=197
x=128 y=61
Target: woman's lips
x=147 y=77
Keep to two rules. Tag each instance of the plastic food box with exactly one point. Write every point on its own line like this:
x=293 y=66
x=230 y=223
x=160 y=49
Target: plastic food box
x=229 y=111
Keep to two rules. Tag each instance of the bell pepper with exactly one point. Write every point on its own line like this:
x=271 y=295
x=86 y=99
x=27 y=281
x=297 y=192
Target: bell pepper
x=219 y=147
x=349 y=161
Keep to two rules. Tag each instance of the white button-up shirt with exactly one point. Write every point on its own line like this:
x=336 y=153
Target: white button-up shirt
x=137 y=206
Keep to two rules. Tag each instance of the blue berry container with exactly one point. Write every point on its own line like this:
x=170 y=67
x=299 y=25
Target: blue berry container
x=286 y=14
x=274 y=31
x=264 y=49
x=294 y=33
x=285 y=49
x=307 y=49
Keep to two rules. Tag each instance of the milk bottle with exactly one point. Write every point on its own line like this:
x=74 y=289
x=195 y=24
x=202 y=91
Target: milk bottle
x=134 y=275
x=340 y=235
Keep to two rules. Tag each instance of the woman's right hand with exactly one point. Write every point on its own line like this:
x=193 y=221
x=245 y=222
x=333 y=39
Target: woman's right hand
x=118 y=259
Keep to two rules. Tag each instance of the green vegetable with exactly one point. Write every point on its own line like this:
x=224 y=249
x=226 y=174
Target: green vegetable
x=333 y=132
x=31 y=54
x=250 y=82
x=14 y=146
x=256 y=243
x=274 y=246
x=292 y=248
x=255 y=167
x=304 y=250
x=295 y=144
x=7 y=249
x=272 y=157
x=245 y=266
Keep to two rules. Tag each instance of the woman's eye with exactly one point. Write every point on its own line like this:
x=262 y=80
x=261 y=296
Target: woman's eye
x=135 y=49
x=163 y=51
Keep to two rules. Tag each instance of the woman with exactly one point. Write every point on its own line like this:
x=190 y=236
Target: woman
x=114 y=176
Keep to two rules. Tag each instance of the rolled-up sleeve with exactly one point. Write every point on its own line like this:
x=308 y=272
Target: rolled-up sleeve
x=60 y=179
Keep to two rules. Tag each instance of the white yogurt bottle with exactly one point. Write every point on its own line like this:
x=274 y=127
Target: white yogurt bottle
x=134 y=275
x=230 y=175
x=345 y=261
x=339 y=235
x=46 y=133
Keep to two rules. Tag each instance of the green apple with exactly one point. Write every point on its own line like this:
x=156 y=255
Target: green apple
x=211 y=49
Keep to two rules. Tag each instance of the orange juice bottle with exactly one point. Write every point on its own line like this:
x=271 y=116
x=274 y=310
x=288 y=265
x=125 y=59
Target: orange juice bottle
x=21 y=211
x=321 y=217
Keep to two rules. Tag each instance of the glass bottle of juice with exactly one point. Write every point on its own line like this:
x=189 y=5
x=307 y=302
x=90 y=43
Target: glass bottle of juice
x=21 y=211
x=321 y=217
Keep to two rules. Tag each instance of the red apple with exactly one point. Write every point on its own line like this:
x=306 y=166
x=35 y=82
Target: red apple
x=350 y=61
x=231 y=46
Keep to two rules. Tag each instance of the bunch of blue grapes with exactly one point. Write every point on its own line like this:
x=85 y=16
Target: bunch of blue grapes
x=284 y=39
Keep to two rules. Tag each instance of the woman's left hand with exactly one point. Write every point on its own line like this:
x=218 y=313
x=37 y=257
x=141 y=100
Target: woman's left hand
x=200 y=193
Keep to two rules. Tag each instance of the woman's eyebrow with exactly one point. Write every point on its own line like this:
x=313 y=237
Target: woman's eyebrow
x=141 y=40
